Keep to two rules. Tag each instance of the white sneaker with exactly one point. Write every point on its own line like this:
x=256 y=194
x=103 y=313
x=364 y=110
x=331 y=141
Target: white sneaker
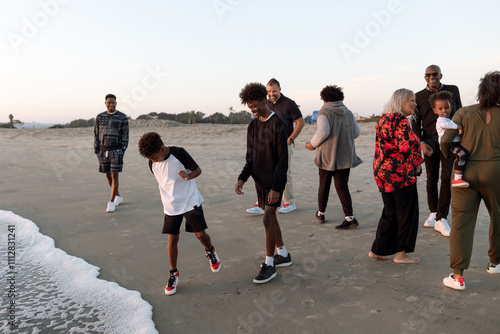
x=431 y=220
x=118 y=200
x=111 y=207
x=454 y=283
x=442 y=227
x=286 y=208
x=493 y=269
x=256 y=210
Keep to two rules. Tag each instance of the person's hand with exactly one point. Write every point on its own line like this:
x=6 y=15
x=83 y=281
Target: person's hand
x=460 y=129
x=426 y=149
x=310 y=147
x=184 y=175
x=273 y=197
x=239 y=187
x=419 y=170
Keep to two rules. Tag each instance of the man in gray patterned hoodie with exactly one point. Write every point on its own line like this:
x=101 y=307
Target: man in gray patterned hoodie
x=110 y=143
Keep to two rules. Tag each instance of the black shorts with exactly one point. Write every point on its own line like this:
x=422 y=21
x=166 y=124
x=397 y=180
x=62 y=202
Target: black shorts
x=262 y=198
x=110 y=161
x=195 y=222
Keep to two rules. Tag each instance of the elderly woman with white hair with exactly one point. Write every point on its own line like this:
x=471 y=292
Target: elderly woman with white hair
x=396 y=164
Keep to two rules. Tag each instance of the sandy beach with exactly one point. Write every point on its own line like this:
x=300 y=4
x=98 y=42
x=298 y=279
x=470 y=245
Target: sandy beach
x=51 y=177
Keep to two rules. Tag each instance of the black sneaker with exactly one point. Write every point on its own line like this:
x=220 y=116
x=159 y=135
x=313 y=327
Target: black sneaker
x=347 y=225
x=266 y=274
x=280 y=261
x=320 y=217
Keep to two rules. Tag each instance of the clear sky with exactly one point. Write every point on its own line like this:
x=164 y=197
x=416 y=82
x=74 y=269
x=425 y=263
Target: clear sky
x=59 y=58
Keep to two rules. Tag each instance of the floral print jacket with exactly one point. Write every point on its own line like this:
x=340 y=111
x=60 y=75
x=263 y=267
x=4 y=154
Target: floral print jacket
x=397 y=153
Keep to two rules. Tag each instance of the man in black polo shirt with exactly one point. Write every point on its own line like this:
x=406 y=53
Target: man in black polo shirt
x=424 y=125
x=288 y=110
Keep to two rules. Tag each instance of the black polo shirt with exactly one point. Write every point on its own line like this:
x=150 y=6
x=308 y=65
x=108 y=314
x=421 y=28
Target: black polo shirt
x=288 y=110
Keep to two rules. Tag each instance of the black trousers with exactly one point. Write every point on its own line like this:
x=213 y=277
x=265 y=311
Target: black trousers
x=340 y=178
x=438 y=203
x=398 y=227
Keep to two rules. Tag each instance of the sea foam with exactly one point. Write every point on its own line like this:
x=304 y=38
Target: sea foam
x=45 y=290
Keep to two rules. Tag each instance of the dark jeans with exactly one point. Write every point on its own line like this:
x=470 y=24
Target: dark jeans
x=340 y=178
x=398 y=227
x=441 y=203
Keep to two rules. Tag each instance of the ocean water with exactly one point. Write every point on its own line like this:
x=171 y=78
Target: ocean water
x=45 y=290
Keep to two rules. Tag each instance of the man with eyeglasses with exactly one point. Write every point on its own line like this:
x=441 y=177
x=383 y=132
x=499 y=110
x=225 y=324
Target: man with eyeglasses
x=424 y=125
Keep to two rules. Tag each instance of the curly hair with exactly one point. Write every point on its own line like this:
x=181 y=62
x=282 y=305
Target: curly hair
x=442 y=95
x=395 y=104
x=254 y=91
x=332 y=94
x=149 y=144
x=488 y=92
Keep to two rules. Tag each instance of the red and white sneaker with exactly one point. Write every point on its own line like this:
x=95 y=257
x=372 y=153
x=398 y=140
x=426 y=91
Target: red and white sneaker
x=173 y=280
x=454 y=283
x=213 y=259
x=459 y=184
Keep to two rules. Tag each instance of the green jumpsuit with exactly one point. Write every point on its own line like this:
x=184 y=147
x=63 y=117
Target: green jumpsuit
x=482 y=171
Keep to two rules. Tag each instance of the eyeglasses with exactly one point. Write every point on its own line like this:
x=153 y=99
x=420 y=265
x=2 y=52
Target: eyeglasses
x=435 y=74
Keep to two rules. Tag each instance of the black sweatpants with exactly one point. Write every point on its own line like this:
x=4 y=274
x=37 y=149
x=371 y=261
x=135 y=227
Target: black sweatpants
x=439 y=203
x=340 y=178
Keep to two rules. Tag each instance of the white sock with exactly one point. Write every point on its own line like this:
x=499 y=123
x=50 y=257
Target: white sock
x=321 y=213
x=270 y=260
x=349 y=218
x=458 y=176
x=282 y=251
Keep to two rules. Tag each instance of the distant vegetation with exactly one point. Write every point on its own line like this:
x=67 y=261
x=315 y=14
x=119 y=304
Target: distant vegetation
x=188 y=117
x=77 y=123
x=11 y=123
x=194 y=117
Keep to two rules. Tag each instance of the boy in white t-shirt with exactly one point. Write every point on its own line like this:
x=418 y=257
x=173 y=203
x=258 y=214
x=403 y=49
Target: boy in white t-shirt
x=441 y=103
x=175 y=171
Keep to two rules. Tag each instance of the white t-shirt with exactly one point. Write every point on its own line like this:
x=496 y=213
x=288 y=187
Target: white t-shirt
x=443 y=124
x=177 y=195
